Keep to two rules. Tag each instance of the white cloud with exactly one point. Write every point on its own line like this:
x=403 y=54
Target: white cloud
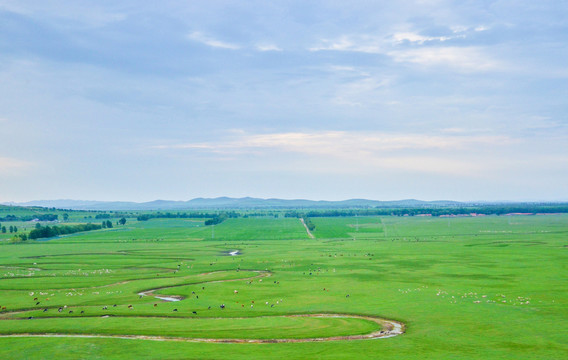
x=463 y=58
x=11 y=166
x=339 y=142
x=363 y=44
x=459 y=29
x=420 y=39
x=267 y=47
x=210 y=41
x=413 y=152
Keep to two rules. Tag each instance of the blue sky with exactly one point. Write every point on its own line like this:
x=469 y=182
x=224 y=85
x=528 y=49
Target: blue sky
x=144 y=100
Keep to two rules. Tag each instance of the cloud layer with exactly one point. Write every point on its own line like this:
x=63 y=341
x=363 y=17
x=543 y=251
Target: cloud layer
x=421 y=99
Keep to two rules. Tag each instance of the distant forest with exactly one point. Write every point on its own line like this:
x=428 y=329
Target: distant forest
x=39 y=217
x=438 y=211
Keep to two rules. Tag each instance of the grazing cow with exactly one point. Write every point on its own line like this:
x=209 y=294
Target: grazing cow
x=35 y=299
x=222 y=306
x=347 y=295
x=30 y=318
x=175 y=309
x=44 y=310
x=209 y=308
x=114 y=305
x=82 y=311
x=70 y=311
x=105 y=308
x=194 y=312
x=60 y=309
x=155 y=305
x=37 y=303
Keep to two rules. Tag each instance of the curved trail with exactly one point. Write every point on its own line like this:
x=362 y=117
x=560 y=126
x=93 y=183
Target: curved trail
x=388 y=328
x=152 y=292
x=391 y=329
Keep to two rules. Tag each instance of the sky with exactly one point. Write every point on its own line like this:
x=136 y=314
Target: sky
x=142 y=100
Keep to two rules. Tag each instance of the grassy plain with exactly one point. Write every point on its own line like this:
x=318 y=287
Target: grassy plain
x=466 y=288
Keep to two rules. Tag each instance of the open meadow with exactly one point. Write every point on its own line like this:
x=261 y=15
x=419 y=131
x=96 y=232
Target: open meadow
x=492 y=287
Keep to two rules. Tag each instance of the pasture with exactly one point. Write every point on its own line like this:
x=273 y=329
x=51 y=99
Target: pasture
x=491 y=287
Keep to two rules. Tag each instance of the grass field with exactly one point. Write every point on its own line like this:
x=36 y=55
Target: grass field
x=490 y=287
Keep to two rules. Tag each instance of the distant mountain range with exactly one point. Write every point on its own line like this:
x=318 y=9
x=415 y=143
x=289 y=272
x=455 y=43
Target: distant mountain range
x=233 y=203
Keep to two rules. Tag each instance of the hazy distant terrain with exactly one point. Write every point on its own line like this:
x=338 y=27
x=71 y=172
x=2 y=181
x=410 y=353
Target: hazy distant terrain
x=228 y=203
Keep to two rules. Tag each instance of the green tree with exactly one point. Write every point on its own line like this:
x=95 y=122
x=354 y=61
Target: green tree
x=122 y=221
x=108 y=224
x=11 y=229
x=3 y=229
x=65 y=217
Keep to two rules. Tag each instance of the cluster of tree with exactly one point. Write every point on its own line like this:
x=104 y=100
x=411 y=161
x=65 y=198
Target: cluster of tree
x=489 y=209
x=50 y=231
x=217 y=219
x=19 y=237
x=102 y=216
x=311 y=226
x=40 y=217
x=189 y=215
x=4 y=229
x=107 y=224
x=274 y=214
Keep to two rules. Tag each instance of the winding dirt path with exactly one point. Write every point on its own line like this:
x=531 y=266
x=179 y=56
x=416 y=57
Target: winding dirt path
x=153 y=292
x=389 y=328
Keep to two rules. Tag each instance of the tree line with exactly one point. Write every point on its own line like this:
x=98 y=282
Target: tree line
x=4 y=229
x=441 y=211
x=41 y=232
x=190 y=215
x=40 y=217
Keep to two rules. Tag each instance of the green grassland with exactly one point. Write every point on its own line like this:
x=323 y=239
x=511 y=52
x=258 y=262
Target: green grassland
x=491 y=287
